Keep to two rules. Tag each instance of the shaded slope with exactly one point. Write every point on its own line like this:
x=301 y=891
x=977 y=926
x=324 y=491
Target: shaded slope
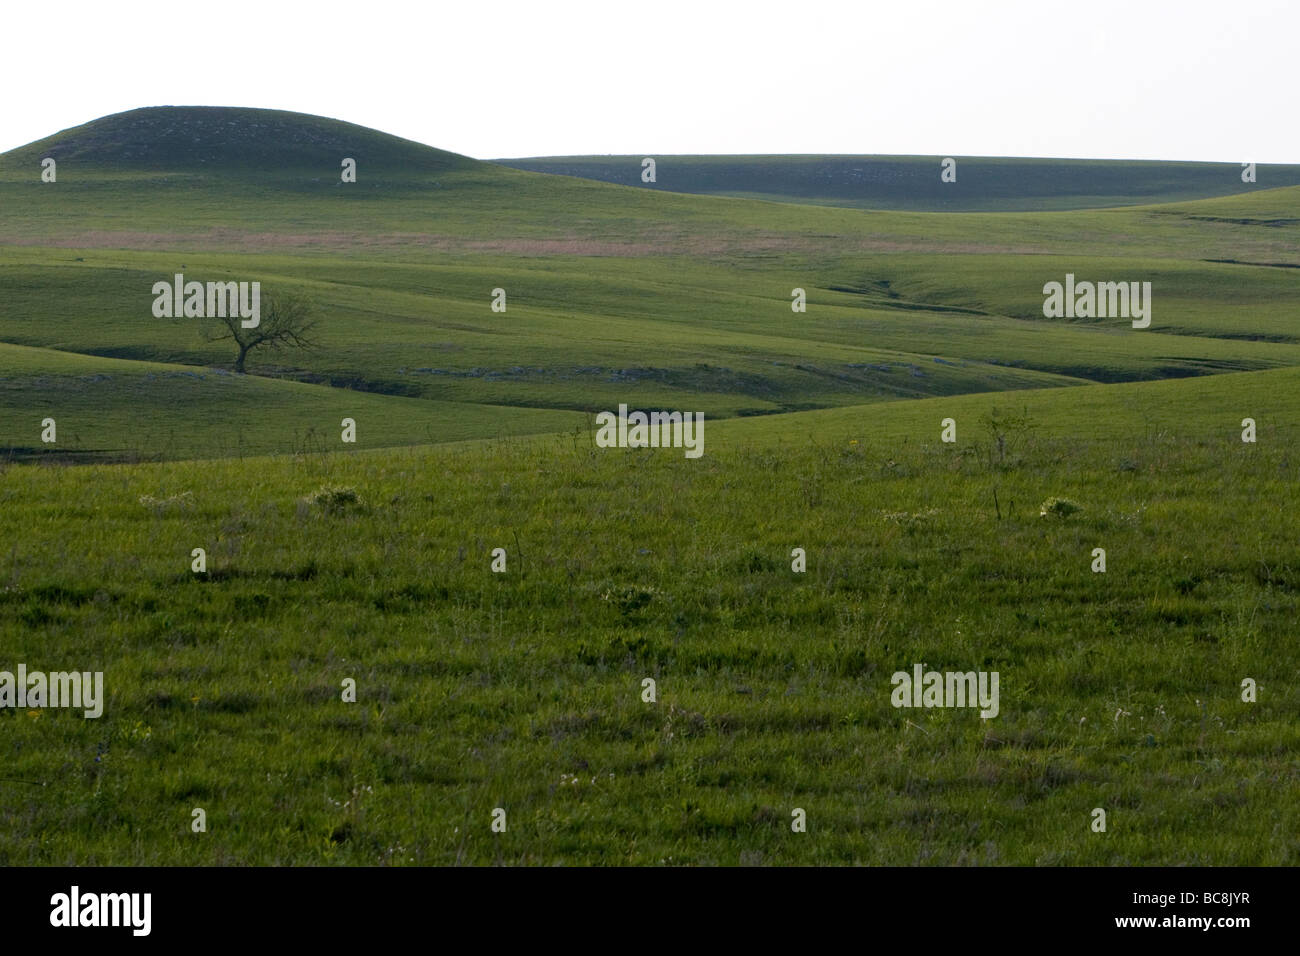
x=115 y=409
x=913 y=182
x=1209 y=410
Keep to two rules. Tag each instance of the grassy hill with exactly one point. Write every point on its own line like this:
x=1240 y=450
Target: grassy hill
x=614 y=294
x=585 y=335
x=129 y=410
x=914 y=183
x=227 y=142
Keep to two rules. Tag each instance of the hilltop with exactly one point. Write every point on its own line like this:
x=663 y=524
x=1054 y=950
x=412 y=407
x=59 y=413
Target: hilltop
x=222 y=138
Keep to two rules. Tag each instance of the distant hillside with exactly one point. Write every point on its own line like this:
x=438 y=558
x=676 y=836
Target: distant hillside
x=913 y=182
x=617 y=293
x=222 y=139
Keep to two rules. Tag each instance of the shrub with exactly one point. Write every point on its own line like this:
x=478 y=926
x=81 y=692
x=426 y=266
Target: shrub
x=1060 y=507
x=334 y=500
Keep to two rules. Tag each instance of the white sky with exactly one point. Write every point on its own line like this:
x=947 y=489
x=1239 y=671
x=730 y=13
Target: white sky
x=1136 y=79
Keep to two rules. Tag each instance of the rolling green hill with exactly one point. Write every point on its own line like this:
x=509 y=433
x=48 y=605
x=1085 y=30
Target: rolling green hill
x=615 y=294
x=129 y=410
x=914 y=183
x=230 y=142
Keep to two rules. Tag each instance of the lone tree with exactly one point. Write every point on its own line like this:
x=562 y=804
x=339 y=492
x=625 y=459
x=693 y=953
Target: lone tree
x=286 y=322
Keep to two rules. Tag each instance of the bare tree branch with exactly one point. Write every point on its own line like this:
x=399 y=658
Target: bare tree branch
x=286 y=322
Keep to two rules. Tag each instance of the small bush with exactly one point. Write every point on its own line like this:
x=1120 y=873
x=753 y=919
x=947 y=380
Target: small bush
x=335 y=500
x=1059 y=507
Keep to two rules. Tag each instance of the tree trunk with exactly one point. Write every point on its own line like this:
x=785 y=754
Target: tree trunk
x=239 y=362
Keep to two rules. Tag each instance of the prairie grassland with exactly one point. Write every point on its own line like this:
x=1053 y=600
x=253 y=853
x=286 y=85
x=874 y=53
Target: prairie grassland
x=522 y=690
x=326 y=563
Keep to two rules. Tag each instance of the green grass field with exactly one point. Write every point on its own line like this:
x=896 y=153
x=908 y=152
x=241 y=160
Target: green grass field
x=522 y=689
